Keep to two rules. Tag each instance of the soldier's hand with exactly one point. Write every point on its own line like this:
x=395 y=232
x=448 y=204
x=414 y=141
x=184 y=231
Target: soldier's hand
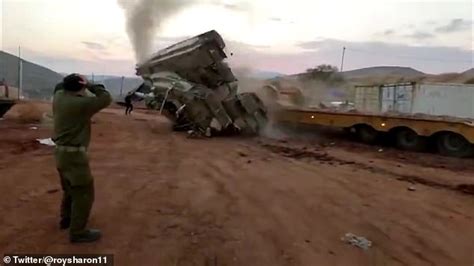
x=83 y=80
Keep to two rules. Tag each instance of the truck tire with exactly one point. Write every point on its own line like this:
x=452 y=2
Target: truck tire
x=407 y=139
x=455 y=145
x=367 y=134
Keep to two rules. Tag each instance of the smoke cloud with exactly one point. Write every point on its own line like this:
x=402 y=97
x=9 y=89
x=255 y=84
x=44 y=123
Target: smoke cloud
x=144 y=18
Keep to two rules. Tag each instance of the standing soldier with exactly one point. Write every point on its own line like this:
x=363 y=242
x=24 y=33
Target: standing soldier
x=128 y=104
x=72 y=110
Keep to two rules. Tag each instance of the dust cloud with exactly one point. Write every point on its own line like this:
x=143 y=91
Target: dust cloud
x=144 y=19
x=248 y=80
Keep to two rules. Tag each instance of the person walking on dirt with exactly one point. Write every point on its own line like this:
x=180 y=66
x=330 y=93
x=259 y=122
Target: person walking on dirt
x=72 y=111
x=128 y=104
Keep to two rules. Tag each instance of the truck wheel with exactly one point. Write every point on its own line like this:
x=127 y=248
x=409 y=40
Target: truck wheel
x=367 y=134
x=407 y=139
x=455 y=145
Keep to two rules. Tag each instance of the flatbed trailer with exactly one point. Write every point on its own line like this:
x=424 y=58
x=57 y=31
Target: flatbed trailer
x=450 y=136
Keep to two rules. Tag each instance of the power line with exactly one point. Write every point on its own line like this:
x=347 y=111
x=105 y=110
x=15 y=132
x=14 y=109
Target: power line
x=409 y=57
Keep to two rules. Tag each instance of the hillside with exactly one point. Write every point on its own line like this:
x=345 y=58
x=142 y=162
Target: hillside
x=114 y=84
x=38 y=81
x=380 y=71
x=468 y=76
x=389 y=74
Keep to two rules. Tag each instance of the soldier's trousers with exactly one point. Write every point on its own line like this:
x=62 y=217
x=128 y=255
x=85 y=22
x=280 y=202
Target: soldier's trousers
x=78 y=189
x=129 y=108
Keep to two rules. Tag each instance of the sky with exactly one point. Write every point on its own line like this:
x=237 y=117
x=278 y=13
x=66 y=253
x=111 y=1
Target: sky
x=90 y=36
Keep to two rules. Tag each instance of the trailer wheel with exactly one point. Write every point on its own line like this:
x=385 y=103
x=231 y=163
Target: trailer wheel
x=367 y=134
x=407 y=139
x=455 y=145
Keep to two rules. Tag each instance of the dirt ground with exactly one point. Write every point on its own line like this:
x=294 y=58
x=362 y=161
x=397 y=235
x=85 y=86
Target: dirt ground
x=165 y=199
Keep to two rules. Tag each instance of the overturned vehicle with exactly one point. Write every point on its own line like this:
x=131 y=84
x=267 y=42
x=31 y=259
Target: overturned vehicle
x=192 y=85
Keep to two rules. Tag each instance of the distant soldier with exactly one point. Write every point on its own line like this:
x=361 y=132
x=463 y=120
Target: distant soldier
x=128 y=104
x=72 y=110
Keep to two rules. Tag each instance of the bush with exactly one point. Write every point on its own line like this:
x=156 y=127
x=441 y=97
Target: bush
x=27 y=113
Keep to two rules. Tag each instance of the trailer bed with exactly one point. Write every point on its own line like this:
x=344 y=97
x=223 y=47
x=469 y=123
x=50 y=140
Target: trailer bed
x=369 y=124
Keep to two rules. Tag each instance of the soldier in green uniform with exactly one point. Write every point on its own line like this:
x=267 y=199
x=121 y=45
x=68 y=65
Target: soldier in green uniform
x=72 y=110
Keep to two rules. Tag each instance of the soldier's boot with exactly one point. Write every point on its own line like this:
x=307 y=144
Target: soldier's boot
x=64 y=223
x=88 y=235
x=82 y=199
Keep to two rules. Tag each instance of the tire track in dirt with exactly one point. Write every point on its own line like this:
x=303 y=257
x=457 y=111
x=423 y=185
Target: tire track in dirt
x=320 y=156
x=387 y=250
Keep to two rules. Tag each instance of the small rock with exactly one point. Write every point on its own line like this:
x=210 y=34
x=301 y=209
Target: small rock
x=242 y=154
x=307 y=241
x=51 y=191
x=171 y=226
x=24 y=199
x=357 y=241
x=380 y=150
x=249 y=161
x=412 y=188
x=331 y=252
x=33 y=128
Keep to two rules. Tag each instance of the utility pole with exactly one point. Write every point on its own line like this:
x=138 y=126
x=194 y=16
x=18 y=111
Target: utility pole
x=343 y=54
x=20 y=73
x=121 y=86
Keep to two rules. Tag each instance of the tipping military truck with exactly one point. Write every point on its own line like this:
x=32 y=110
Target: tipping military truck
x=192 y=85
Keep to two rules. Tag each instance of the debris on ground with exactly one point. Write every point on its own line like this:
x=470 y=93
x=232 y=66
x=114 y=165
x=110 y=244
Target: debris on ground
x=34 y=128
x=380 y=150
x=47 y=142
x=357 y=241
x=466 y=188
x=52 y=191
x=242 y=154
x=412 y=188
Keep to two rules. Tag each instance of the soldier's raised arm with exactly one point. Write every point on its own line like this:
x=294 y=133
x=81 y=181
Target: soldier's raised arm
x=102 y=99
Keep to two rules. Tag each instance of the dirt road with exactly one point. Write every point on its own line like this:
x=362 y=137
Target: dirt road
x=164 y=199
